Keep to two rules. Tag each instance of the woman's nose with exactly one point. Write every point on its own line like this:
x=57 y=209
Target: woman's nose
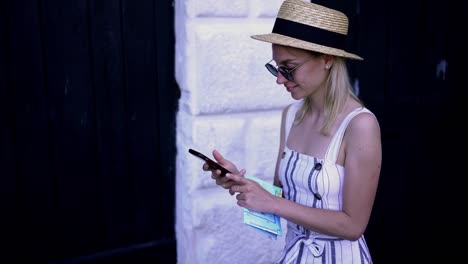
x=280 y=79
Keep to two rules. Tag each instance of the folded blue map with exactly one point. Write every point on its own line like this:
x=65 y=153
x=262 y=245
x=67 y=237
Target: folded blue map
x=266 y=223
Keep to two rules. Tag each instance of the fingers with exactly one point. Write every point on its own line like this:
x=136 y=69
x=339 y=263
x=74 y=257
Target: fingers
x=207 y=167
x=223 y=181
x=238 y=182
x=232 y=190
x=239 y=179
x=226 y=181
x=219 y=158
x=240 y=196
x=236 y=188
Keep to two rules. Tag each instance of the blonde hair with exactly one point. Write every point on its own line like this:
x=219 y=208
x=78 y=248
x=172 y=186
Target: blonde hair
x=338 y=89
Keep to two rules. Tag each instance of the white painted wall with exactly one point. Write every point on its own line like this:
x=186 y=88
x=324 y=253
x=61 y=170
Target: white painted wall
x=231 y=103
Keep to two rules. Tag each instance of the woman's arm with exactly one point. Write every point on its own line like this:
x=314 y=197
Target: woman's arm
x=362 y=165
x=362 y=145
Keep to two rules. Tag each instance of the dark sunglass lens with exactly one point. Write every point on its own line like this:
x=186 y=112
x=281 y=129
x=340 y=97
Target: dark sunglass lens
x=272 y=69
x=286 y=73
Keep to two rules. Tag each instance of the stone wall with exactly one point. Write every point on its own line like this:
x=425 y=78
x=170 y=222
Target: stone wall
x=229 y=102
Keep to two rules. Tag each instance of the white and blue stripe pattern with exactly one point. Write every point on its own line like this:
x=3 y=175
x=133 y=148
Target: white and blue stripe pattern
x=302 y=181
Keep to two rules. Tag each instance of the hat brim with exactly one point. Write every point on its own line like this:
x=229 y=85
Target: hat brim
x=297 y=43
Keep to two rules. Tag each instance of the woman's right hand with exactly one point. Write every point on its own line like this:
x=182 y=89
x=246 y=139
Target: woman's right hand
x=217 y=175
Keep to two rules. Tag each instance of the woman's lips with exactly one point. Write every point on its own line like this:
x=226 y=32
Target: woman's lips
x=290 y=88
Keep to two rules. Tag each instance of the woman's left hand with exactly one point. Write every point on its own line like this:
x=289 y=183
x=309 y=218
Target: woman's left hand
x=251 y=194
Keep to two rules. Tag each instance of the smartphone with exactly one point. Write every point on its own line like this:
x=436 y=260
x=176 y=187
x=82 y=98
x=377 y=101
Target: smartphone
x=212 y=163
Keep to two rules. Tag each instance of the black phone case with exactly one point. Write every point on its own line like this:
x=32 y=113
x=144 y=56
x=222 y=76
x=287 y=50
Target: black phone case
x=210 y=162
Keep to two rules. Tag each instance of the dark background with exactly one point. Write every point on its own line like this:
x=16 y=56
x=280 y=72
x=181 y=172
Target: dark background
x=87 y=139
x=88 y=102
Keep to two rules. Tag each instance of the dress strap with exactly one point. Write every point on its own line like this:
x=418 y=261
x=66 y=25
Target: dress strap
x=335 y=144
x=290 y=116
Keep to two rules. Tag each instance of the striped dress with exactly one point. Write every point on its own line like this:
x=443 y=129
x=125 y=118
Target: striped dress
x=305 y=179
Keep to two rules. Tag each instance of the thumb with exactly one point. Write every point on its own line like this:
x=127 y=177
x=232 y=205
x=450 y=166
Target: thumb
x=219 y=158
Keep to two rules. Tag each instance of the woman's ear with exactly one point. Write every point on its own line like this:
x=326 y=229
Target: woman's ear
x=328 y=59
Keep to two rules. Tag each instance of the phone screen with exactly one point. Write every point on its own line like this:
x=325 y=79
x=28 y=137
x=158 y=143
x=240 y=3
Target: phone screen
x=210 y=162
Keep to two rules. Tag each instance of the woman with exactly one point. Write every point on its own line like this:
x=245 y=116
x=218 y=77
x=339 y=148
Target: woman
x=330 y=148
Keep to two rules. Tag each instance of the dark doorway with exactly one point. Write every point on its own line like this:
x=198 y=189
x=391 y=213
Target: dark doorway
x=88 y=102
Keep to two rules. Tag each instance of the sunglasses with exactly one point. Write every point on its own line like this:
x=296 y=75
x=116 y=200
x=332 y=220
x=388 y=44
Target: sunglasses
x=285 y=71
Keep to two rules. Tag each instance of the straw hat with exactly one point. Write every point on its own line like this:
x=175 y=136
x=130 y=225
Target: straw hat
x=310 y=26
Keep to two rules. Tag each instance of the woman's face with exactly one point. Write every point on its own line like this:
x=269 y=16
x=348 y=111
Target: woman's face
x=308 y=77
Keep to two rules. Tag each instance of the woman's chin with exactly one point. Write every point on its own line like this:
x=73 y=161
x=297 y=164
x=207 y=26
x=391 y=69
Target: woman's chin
x=296 y=96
